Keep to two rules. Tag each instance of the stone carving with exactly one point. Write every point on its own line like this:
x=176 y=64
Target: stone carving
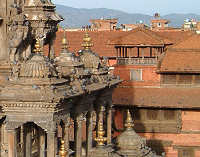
x=44 y=90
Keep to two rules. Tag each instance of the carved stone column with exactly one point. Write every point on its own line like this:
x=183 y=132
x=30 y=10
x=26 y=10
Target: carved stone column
x=89 y=131
x=66 y=133
x=42 y=143
x=78 y=134
x=51 y=149
x=28 y=144
x=12 y=143
x=109 y=122
x=22 y=140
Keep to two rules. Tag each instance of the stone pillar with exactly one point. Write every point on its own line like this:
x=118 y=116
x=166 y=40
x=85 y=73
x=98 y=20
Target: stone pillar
x=12 y=143
x=66 y=133
x=51 y=149
x=89 y=131
x=28 y=143
x=78 y=135
x=22 y=140
x=42 y=143
x=109 y=123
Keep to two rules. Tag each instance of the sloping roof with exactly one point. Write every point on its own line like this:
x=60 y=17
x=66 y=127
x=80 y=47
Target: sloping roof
x=140 y=36
x=181 y=62
x=158 y=97
x=174 y=35
x=191 y=43
x=99 y=39
x=183 y=57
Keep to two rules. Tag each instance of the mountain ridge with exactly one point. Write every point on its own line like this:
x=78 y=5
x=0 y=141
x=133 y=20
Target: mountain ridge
x=78 y=17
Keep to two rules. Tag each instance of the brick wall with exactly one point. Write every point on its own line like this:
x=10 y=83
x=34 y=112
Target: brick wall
x=149 y=75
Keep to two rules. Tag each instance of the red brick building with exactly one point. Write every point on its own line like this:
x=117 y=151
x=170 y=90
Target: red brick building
x=103 y=24
x=163 y=95
x=161 y=74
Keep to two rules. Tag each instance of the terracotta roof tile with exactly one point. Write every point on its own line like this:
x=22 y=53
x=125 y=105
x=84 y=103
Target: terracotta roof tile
x=174 y=36
x=182 y=62
x=191 y=43
x=99 y=39
x=140 y=36
x=183 y=57
x=158 y=97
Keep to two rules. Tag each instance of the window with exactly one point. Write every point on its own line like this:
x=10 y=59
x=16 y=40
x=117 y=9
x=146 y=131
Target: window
x=152 y=114
x=186 y=152
x=159 y=24
x=157 y=120
x=136 y=74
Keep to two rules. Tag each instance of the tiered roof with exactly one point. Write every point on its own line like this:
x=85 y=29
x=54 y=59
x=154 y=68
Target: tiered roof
x=183 y=57
x=140 y=36
x=158 y=97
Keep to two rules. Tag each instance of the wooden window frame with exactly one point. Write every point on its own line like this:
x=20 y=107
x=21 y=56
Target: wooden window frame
x=139 y=71
x=160 y=125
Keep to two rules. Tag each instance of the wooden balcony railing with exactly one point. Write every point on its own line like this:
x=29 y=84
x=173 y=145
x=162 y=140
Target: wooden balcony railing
x=136 y=61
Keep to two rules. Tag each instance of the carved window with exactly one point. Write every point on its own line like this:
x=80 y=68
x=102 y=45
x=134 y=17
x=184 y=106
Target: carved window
x=136 y=74
x=157 y=120
x=169 y=79
x=169 y=115
x=186 y=152
x=152 y=114
x=185 y=79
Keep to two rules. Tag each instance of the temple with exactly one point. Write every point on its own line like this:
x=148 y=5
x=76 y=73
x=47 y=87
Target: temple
x=55 y=105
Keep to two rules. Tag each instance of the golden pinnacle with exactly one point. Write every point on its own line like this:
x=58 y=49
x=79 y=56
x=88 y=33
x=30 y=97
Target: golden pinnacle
x=64 y=42
x=100 y=139
x=87 y=42
x=62 y=151
x=129 y=121
x=37 y=47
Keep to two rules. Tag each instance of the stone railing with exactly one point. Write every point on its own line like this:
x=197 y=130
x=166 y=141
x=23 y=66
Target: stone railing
x=136 y=61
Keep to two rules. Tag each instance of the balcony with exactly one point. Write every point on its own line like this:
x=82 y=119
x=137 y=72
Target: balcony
x=136 y=61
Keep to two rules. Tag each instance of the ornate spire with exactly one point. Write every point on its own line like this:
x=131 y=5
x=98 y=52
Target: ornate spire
x=62 y=151
x=129 y=121
x=37 y=47
x=100 y=139
x=65 y=44
x=87 y=42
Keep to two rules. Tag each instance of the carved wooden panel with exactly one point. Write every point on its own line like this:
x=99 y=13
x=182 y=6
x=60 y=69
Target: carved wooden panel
x=168 y=79
x=151 y=120
x=184 y=151
x=156 y=120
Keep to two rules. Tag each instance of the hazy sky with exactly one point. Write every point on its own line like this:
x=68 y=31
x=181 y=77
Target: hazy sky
x=138 y=6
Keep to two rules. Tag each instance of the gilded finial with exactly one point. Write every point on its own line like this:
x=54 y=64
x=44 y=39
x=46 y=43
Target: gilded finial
x=62 y=151
x=87 y=42
x=100 y=139
x=129 y=121
x=37 y=46
x=64 y=42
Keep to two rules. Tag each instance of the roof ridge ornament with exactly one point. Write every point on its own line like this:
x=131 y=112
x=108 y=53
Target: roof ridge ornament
x=87 y=42
x=65 y=44
x=38 y=48
x=62 y=151
x=129 y=121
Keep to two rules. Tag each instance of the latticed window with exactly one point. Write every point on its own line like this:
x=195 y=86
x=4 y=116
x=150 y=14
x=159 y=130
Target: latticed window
x=186 y=152
x=185 y=79
x=136 y=74
x=169 y=115
x=157 y=120
x=152 y=114
x=169 y=79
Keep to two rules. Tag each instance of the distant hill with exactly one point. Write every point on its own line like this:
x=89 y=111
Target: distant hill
x=75 y=17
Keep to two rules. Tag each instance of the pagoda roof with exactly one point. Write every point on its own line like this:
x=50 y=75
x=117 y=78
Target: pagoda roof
x=159 y=97
x=140 y=37
x=183 y=57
